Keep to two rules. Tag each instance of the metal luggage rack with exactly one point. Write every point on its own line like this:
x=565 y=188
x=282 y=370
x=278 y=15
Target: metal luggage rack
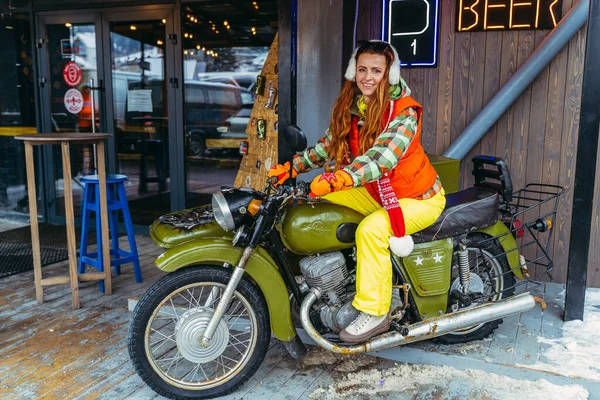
x=532 y=212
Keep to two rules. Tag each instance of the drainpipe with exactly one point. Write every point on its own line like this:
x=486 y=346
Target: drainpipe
x=536 y=62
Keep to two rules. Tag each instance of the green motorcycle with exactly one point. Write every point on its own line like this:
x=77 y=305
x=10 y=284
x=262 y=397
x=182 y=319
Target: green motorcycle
x=257 y=264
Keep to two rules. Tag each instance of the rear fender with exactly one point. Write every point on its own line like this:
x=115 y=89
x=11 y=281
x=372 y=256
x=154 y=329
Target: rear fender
x=508 y=243
x=261 y=268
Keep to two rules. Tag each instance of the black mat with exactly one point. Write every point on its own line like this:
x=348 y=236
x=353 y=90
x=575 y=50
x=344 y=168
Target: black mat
x=18 y=257
x=16 y=254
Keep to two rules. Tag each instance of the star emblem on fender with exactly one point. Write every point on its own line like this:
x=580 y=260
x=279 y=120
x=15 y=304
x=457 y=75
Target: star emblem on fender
x=328 y=177
x=438 y=258
x=419 y=260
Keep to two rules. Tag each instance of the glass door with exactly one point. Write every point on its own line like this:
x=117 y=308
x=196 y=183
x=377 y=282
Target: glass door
x=70 y=77
x=225 y=45
x=141 y=103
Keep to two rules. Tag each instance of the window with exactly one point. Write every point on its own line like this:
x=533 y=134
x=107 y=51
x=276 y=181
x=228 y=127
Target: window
x=222 y=98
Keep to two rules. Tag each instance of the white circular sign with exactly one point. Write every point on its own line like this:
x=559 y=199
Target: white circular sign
x=73 y=101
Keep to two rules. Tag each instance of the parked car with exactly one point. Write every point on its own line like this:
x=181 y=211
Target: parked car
x=216 y=116
x=246 y=80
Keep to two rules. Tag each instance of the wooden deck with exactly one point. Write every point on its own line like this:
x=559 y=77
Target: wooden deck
x=49 y=351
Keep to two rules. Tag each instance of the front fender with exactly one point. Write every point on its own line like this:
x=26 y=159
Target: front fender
x=508 y=243
x=261 y=268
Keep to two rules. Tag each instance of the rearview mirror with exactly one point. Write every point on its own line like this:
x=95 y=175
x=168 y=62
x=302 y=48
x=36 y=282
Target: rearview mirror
x=295 y=138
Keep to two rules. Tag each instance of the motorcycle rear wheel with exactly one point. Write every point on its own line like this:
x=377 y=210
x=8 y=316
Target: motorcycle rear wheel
x=496 y=276
x=170 y=318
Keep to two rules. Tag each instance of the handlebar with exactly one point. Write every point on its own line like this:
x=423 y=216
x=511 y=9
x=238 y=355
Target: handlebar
x=299 y=191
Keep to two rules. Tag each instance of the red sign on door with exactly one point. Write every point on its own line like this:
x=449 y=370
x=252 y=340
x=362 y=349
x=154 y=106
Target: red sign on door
x=72 y=74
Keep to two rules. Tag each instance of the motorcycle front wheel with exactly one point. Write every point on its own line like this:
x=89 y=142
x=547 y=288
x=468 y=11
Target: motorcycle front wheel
x=169 y=320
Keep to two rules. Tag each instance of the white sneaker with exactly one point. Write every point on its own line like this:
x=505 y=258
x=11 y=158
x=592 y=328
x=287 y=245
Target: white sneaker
x=364 y=327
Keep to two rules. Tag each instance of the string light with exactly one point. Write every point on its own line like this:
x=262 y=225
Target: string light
x=68 y=24
x=164 y=21
x=197 y=47
x=253 y=29
x=185 y=52
x=159 y=42
x=186 y=34
x=225 y=23
x=133 y=27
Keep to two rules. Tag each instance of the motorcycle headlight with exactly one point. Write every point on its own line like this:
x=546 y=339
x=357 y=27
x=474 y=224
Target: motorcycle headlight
x=234 y=207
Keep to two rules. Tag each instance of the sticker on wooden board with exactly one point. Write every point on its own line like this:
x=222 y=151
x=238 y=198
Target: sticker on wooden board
x=248 y=181
x=271 y=99
x=261 y=129
x=73 y=101
x=268 y=164
x=260 y=85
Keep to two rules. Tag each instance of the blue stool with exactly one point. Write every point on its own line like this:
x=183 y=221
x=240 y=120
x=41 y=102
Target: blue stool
x=117 y=200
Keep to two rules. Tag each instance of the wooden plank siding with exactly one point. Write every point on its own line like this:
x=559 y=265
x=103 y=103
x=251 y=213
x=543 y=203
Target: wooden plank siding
x=537 y=135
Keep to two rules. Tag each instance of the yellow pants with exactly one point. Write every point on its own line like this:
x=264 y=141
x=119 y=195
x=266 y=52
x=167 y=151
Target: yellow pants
x=374 y=265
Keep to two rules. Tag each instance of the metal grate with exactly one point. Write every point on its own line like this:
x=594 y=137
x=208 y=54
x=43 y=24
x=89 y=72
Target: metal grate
x=18 y=257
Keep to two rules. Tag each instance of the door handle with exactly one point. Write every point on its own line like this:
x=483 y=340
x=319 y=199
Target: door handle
x=174 y=83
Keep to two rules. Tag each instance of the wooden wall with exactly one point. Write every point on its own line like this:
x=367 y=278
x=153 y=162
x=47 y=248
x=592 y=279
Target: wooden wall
x=537 y=136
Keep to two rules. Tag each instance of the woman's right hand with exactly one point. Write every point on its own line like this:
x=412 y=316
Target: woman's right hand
x=282 y=172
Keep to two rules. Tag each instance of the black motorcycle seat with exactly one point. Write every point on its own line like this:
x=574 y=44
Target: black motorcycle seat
x=465 y=211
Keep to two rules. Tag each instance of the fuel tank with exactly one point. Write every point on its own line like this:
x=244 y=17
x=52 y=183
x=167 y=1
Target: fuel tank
x=308 y=229
x=182 y=226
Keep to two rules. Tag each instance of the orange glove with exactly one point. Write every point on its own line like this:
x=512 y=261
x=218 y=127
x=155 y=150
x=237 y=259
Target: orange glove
x=330 y=182
x=282 y=172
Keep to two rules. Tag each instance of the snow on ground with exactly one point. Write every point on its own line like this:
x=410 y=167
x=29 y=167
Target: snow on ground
x=577 y=353
x=419 y=382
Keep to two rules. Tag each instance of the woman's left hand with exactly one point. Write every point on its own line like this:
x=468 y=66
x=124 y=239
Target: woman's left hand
x=330 y=182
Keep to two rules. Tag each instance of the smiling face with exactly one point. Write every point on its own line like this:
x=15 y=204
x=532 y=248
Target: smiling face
x=370 y=71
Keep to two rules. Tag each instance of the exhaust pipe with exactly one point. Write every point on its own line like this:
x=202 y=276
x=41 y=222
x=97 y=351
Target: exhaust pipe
x=425 y=329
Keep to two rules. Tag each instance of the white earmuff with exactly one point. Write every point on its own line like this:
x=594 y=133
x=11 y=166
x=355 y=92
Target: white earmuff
x=394 y=75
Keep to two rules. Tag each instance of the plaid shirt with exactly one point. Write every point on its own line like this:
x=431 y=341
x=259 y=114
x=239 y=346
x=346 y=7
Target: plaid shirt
x=387 y=150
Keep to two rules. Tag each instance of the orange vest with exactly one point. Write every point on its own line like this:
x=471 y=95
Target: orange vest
x=414 y=175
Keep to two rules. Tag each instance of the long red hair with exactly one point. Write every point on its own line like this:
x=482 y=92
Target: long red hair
x=340 y=123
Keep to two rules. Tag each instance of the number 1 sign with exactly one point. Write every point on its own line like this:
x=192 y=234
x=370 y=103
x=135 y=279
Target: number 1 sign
x=412 y=27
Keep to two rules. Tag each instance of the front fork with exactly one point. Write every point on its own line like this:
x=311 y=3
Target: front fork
x=236 y=277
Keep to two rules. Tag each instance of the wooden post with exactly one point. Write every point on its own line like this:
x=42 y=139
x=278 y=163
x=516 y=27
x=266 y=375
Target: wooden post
x=71 y=243
x=35 y=234
x=104 y=218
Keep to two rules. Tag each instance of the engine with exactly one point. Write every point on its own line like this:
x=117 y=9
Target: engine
x=328 y=273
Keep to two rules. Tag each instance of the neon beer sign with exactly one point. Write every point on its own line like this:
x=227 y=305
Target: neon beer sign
x=487 y=15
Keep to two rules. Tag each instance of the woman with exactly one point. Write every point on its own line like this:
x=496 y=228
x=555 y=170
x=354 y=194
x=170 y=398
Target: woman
x=374 y=138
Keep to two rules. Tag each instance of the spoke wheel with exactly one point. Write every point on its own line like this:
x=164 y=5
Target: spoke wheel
x=489 y=276
x=168 y=324
x=486 y=278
